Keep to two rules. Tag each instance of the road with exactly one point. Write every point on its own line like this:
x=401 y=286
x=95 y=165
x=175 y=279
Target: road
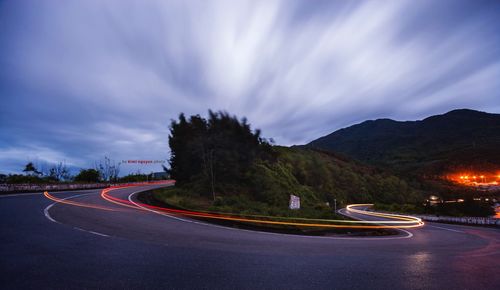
x=47 y=245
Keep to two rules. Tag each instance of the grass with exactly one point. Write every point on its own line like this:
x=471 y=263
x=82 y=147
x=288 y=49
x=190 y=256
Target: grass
x=236 y=204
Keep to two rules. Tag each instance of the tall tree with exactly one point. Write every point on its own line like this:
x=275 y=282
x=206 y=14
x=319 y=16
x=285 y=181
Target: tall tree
x=59 y=172
x=108 y=169
x=216 y=152
x=30 y=169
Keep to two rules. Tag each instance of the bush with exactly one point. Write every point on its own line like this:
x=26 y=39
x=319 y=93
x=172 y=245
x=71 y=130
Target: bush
x=87 y=175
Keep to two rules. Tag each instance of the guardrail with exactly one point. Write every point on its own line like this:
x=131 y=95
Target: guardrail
x=462 y=220
x=4 y=188
x=8 y=188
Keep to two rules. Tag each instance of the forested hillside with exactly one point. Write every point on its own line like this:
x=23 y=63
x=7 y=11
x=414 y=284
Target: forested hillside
x=458 y=140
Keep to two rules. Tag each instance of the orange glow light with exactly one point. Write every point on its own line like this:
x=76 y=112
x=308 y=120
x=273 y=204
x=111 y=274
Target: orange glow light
x=480 y=178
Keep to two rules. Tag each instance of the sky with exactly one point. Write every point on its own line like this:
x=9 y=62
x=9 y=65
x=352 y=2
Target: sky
x=80 y=80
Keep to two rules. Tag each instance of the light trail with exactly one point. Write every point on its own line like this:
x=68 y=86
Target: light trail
x=88 y=205
x=315 y=225
x=395 y=222
x=126 y=203
x=110 y=198
x=386 y=215
x=115 y=200
x=79 y=204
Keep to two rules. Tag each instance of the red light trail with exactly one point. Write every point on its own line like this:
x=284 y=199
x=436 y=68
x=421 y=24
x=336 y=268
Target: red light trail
x=396 y=221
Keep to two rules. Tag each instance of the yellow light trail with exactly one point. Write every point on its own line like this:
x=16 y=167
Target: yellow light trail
x=397 y=221
x=126 y=203
x=80 y=204
x=401 y=221
x=306 y=224
x=386 y=215
x=104 y=195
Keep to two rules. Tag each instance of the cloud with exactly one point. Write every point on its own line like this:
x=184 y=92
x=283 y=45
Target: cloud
x=92 y=78
x=42 y=157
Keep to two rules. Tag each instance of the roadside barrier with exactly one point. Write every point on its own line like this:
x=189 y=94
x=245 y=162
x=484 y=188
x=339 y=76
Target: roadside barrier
x=48 y=187
x=5 y=188
x=462 y=220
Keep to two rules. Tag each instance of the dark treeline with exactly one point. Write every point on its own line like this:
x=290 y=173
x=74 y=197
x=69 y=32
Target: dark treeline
x=214 y=154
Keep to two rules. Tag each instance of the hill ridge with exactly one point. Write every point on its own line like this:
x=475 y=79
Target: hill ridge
x=460 y=137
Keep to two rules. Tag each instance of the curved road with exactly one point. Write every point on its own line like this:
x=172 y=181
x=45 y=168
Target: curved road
x=47 y=245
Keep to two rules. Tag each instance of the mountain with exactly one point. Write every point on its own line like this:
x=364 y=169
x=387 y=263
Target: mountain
x=458 y=140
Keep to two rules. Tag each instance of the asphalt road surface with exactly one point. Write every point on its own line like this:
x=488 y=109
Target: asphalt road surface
x=53 y=246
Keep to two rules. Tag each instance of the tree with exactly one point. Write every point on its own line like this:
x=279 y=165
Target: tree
x=137 y=177
x=59 y=172
x=30 y=169
x=88 y=175
x=186 y=139
x=108 y=169
x=216 y=153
